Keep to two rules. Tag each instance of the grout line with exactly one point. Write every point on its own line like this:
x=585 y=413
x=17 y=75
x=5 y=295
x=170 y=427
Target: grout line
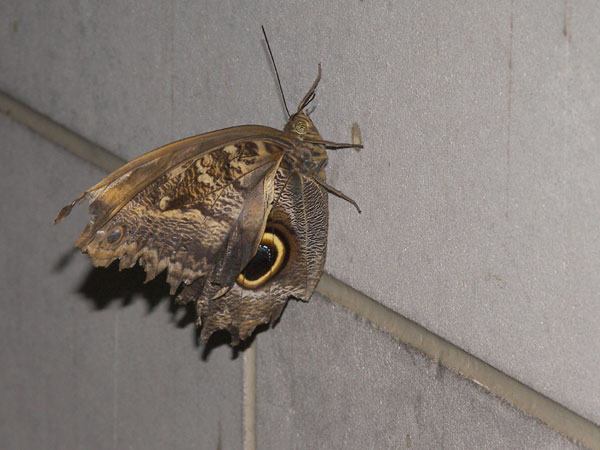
x=406 y=331
x=454 y=358
x=58 y=134
x=249 y=397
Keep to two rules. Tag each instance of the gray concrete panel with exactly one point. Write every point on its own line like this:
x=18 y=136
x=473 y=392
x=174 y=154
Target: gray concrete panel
x=328 y=380
x=478 y=181
x=91 y=358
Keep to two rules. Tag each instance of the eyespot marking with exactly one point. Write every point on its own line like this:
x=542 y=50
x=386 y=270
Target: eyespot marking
x=115 y=235
x=271 y=256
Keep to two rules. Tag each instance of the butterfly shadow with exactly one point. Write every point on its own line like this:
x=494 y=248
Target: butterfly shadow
x=104 y=287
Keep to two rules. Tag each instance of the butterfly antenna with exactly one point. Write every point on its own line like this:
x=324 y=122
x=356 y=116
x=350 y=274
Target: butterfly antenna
x=310 y=95
x=276 y=71
x=308 y=100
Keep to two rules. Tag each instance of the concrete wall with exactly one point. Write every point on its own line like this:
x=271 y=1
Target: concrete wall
x=480 y=195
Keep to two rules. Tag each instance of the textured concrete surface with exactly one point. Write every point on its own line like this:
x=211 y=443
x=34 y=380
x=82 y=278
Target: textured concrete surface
x=480 y=190
x=330 y=381
x=479 y=178
x=92 y=358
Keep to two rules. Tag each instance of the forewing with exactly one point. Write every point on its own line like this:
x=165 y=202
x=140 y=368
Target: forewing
x=114 y=191
x=184 y=218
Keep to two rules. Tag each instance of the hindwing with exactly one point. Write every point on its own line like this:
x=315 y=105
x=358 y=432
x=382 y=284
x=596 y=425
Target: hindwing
x=300 y=219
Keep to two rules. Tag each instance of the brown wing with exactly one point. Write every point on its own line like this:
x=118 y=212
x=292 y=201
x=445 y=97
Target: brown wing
x=300 y=217
x=196 y=207
x=140 y=172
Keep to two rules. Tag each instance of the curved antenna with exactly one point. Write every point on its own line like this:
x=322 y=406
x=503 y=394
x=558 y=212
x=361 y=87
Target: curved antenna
x=310 y=95
x=276 y=72
x=308 y=100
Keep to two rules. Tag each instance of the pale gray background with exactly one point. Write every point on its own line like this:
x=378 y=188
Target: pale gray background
x=479 y=187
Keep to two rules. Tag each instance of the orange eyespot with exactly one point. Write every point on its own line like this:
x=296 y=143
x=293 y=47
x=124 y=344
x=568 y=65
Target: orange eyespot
x=301 y=127
x=270 y=258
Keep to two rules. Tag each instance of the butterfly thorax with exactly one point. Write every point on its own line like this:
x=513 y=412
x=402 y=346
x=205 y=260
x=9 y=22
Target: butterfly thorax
x=307 y=155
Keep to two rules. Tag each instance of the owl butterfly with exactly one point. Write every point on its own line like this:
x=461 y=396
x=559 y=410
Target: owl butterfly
x=238 y=218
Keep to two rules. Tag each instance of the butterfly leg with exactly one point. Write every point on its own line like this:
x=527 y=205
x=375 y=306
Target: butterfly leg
x=329 y=145
x=337 y=193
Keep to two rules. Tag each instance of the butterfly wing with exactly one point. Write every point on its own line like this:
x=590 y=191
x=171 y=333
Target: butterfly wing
x=115 y=190
x=300 y=219
x=197 y=207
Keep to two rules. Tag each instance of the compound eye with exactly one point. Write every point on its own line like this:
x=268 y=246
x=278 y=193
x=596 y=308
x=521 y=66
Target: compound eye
x=301 y=127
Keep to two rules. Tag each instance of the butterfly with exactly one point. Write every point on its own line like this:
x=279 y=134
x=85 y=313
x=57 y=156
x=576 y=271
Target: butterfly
x=237 y=217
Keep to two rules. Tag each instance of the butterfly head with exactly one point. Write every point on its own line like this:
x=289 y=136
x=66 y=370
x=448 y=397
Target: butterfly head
x=299 y=124
x=301 y=127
